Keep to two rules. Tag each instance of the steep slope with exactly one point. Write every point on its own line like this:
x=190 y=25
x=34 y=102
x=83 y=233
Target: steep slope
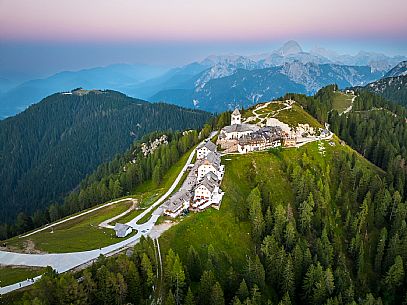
x=114 y=77
x=392 y=88
x=321 y=218
x=46 y=150
x=398 y=70
x=295 y=226
x=287 y=226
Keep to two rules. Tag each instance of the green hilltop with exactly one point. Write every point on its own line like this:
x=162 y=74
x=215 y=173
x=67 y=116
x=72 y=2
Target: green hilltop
x=324 y=223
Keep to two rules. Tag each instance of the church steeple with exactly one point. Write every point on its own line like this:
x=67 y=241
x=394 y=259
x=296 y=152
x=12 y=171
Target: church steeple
x=236 y=117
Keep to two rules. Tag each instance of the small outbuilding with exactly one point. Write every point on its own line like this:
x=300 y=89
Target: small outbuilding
x=122 y=230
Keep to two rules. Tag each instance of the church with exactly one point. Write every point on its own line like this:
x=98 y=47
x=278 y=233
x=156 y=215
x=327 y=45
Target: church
x=236 y=130
x=229 y=135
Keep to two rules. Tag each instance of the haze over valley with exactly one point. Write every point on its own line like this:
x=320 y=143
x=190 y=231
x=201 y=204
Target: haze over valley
x=201 y=84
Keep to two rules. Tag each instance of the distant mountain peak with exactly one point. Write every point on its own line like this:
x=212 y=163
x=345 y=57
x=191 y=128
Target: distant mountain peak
x=289 y=48
x=224 y=58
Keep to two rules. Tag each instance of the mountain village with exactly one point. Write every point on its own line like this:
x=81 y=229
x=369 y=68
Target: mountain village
x=201 y=188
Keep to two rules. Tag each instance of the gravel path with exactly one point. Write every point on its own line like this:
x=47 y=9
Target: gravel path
x=63 y=262
x=105 y=224
x=350 y=107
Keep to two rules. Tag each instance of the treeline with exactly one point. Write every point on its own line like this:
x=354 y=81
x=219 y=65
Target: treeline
x=340 y=241
x=391 y=88
x=119 y=280
x=318 y=105
x=48 y=149
x=118 y=177
x=113 y=179
x=375 y=127
x=139 y=278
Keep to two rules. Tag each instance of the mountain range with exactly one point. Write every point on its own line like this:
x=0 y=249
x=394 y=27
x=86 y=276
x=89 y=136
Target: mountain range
x=204 y=84
x=244 y=88
x=115 y=77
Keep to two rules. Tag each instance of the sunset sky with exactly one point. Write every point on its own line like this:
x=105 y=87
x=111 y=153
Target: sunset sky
x=172 y=32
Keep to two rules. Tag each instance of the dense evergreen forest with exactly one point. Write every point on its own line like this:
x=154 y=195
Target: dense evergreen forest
x=118 y=177
x=334 y=241
x=49 y=148
x=376 y=128
x=337 y=236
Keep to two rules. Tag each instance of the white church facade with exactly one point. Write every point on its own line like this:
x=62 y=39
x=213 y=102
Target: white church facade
x=236 y=129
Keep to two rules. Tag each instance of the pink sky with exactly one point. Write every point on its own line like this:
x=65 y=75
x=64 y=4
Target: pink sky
x=188 y=20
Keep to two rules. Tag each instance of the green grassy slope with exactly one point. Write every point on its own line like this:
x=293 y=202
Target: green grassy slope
x=10 y=275
x=83 y=232
x=297 y=115
x=341 y=101
x=79 y=234
x=293 y=116
x=231 y=237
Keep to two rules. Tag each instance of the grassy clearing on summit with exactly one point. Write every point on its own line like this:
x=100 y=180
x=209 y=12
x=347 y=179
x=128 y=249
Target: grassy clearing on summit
x=297 y=115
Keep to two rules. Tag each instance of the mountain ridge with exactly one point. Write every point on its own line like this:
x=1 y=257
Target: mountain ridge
x=191 y=76
x=393 y=88
x=116 y=76
x=244 y=87
x=81 y=129
x=398 y=70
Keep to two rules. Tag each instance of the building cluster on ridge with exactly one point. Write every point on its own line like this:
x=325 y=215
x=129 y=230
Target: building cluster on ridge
x=243 y=138
x=201 y=188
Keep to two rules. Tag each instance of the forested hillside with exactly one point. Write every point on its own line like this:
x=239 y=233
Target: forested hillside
x=288 y=232
x=375 y=127
x=319 y=224
x=392 y=88
x=49 y=148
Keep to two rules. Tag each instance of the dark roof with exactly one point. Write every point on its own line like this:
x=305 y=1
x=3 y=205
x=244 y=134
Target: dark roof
x=213 y=158
x=121 y=229
x=240 y=128
x=211 y=176
x=177 y=200
x=265 y=134
x=209 y=145
x=236 y=112
x=208 y=183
